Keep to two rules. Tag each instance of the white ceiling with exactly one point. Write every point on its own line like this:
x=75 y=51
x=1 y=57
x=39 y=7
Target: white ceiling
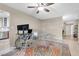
x=56 y=10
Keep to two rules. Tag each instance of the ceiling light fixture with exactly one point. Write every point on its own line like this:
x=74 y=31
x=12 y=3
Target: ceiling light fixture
x=40 y=8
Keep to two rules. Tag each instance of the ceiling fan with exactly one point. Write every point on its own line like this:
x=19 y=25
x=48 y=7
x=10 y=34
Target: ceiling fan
x=41 y=6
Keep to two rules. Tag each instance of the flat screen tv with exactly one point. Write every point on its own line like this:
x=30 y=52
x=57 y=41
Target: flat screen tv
x=23 y=27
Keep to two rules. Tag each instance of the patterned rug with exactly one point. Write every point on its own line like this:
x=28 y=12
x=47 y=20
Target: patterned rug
x=51 y=49
x=42 y=48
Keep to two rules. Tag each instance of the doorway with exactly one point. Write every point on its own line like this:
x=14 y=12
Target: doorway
x=70 y=30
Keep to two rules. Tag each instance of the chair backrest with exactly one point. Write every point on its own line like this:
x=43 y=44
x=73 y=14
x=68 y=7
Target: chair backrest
x=22 y=28
x=29 y=31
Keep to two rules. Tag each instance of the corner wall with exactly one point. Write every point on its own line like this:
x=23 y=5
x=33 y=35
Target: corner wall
x=53 y=26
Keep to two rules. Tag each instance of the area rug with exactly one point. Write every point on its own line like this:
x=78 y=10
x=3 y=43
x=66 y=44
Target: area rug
x=42 y=48
x=51 y=49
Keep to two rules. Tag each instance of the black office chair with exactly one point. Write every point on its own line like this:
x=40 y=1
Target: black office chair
x=29 y=33
x=22 y=37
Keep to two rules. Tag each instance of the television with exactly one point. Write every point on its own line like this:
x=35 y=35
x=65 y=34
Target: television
x=23 y=27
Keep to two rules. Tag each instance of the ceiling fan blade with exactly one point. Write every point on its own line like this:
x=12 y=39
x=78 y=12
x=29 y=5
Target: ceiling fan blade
x=37 y=12
x=31 y=7
x=48 y=4
x=42 y=3
x=46 y=10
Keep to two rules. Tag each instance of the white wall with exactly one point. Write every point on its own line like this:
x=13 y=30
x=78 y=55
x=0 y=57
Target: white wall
x=68 y=30
x=53 y=26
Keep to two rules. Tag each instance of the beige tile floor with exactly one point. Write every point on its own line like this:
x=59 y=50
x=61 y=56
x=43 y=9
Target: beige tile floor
x=73 y=45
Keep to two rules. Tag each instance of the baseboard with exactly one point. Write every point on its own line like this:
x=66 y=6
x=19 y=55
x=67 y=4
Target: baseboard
x=6 y=50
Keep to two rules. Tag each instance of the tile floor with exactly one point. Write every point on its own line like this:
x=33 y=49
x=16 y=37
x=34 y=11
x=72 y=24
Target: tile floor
x=73 y=45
